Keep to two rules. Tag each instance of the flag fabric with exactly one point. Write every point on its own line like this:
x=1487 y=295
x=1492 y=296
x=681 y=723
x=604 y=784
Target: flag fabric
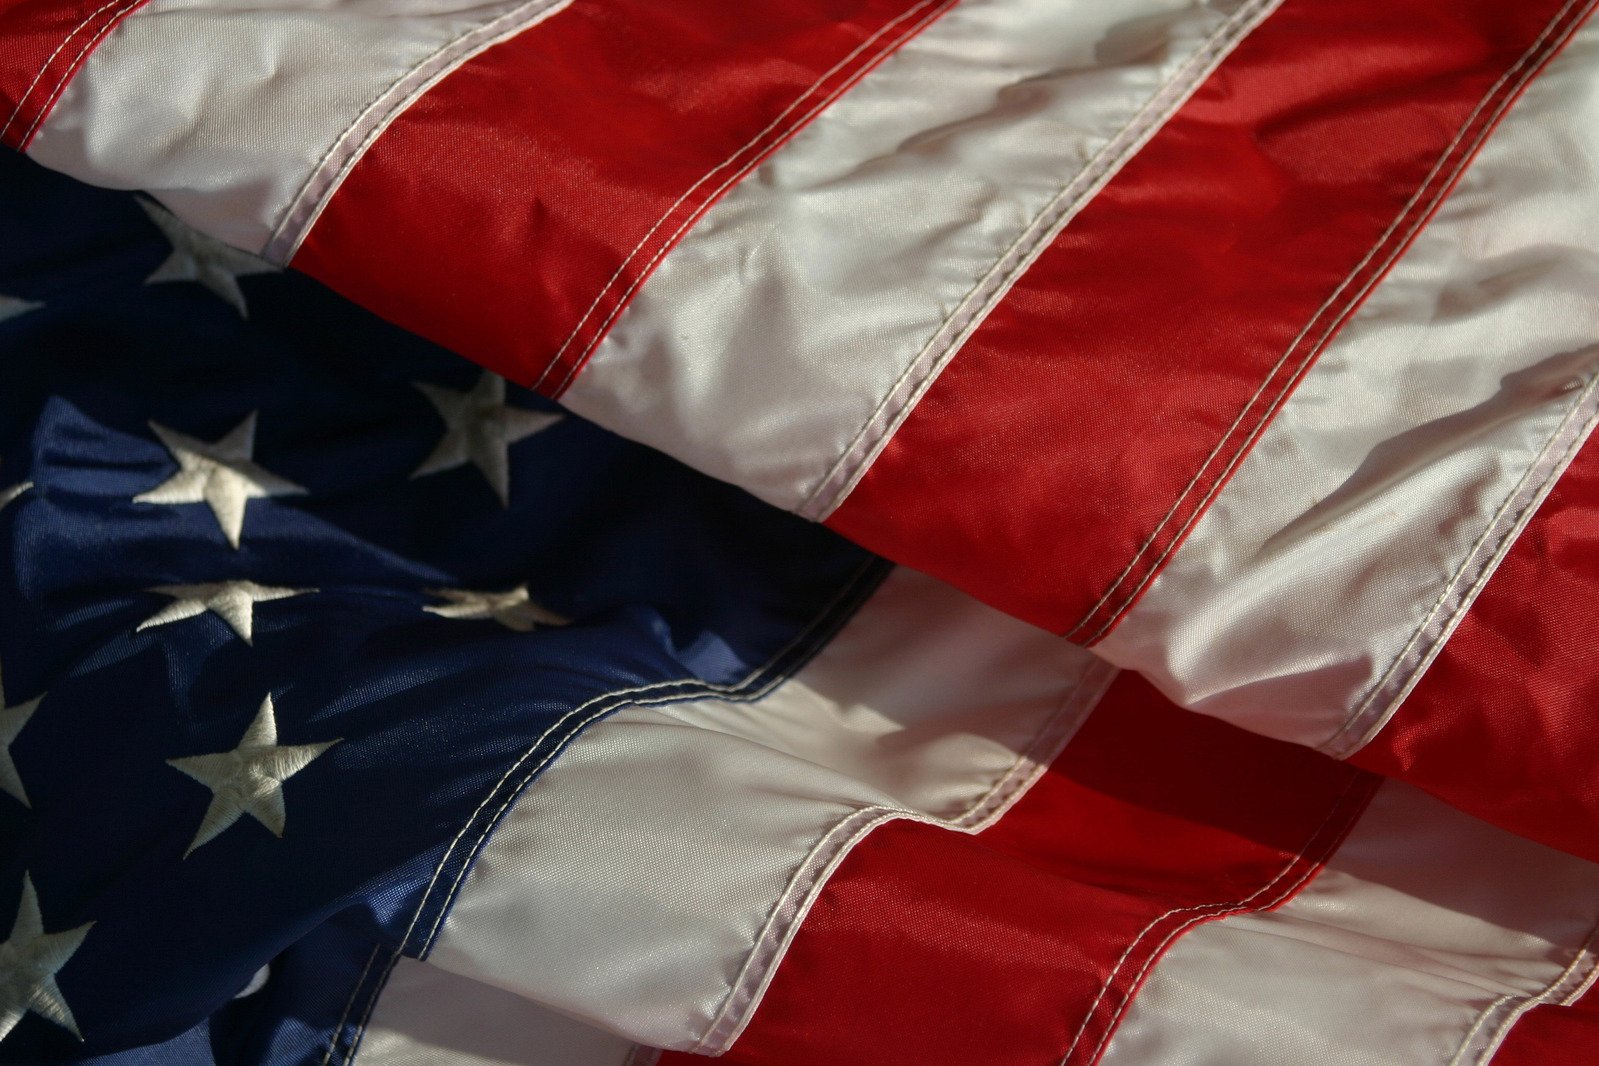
x=1220 y=374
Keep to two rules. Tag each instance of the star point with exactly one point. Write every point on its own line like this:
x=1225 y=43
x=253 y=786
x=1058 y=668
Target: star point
x=30 y=958
x=222 y=475
x=480 y=428
x=232 y=601
x=512 y=608
x=12 y=722
x=9 y=494
x=249 y=778
x=201 y=258
x=13 y=307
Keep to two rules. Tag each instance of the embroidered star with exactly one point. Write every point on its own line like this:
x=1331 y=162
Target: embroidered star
x=249 y=779
x=201 y=258
x=29 y=962
x=11 y=307
x=7 y=495
x=232 y=601
x=511 y=608
x=12 y=720
x=222 y=475
x=479 y=428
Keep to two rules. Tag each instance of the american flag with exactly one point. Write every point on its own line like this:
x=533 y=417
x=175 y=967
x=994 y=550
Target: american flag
x=982 y=533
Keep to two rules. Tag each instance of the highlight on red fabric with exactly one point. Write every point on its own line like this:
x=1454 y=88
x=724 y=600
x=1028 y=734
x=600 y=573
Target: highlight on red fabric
x=1025 y=943
x=512 y=211
x=1111 y=394
x=1502 y=724
x=42 y=45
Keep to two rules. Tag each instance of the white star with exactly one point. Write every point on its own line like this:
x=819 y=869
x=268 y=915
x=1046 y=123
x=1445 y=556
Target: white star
x=479 y=428
x=202 y=258
x=221 y=475
x=232 y=601
x=11 y=307
x=7 y=495
x=29 y=962
x=12 y=719
x=511 y=608
x=249 y=779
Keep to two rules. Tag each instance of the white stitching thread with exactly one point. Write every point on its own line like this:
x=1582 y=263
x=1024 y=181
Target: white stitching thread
x=1564 y=990
x=978 y=302
x=603 y=700
x=111 y=23
x=21 y=100
x=1417 y=222
x=1533 y=486
x=1219 y=907
x=813 y=871
x=340 y=158
x=851 y=588
x=344 y=1015
x=940 y=6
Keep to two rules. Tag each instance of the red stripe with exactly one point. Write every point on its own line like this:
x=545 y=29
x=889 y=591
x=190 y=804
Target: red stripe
x=1025 y=944
x=1553 y=1035
x=513 y=210
x=1505 y=724
x=1111 y=394
x=42 y=45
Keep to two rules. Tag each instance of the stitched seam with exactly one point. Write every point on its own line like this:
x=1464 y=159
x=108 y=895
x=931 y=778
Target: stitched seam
x=1541 y=476
x=339 y=159
x=1356 y=805
x=851 y=77
x=111 y=20
x=598 y=706
x=1564 y=989
x=748 y=145
x=1220 y=908
x=824 y=857
x=991 y=288
x=1418 y=219
x=382 y=982
x=349 y=1004
x=51 y=58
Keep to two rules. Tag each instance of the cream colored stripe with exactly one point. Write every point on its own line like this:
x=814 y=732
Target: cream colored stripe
x=780 y=343
x=1332 y=567
x=426 y=1016
x=1419 y=944
x=243 y=118
x=650 y=880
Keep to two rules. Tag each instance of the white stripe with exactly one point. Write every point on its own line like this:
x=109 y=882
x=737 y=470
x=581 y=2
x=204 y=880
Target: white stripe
x=426 y=1016
x=1417 y=945
x=650 y=879
x=864 y=251
x=243 y=118
x=1332 y=567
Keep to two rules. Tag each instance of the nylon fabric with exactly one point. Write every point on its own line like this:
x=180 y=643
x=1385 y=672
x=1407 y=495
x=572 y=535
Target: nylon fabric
x=44 y=44
x=1329 y=570
x=251 y=102
x=1112 y=392
x=886 y=227
x=1518 y=676
x=1425 y=934
x=428 y=1017
x=670 y=847
x=577 y=154
x=1022 y=944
